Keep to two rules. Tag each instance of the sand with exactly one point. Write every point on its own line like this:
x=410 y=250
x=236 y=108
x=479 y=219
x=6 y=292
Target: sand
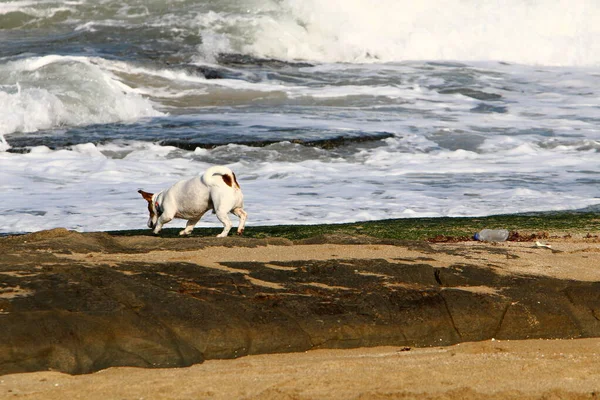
x=529 y=369
x=491 y=369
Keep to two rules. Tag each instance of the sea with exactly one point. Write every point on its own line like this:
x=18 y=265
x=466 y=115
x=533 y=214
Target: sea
x=328 y=111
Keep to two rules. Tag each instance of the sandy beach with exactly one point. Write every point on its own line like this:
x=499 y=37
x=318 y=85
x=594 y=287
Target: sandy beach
x=530 y=369
x=493 y=368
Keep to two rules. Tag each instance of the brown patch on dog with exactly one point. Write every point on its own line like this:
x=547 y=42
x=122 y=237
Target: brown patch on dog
x=235 y=180
x=227 y=179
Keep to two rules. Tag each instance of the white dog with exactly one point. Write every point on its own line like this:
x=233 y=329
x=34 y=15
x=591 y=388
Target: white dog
x=190 y=199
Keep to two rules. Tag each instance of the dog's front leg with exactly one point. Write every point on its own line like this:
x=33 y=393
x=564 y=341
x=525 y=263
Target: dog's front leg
x=160 y=222
x=189 y=226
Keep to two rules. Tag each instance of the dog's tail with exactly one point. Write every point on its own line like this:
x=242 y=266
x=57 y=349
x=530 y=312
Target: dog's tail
x=216 y=176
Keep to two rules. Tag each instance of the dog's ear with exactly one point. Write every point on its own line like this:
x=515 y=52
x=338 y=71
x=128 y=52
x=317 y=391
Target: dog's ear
x=147 y=196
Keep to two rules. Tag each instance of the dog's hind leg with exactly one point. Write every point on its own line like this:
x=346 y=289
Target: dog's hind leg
x=224 y=218
x=242 y=215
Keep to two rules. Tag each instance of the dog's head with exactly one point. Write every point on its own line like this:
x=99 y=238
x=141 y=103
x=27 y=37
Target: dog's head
x=152 y=208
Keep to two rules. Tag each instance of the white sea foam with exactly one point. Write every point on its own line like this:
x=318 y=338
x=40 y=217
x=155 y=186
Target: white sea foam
x=541 y=32
x=13 y=6
x=87 y=188
x=40 y=9
x=51 y=91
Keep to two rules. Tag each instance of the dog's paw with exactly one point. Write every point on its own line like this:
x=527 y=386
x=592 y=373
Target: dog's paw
x=184 y=233
x=240 y=232
x=222 y=235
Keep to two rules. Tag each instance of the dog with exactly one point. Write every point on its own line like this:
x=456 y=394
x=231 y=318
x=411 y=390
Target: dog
x=217 y=190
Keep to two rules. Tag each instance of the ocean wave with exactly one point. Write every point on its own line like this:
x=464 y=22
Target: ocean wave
x=542 y=32
x=53 y=91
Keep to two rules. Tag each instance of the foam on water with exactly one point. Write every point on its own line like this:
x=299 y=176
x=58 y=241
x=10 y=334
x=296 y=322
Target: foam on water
x=51 y=91
x=39 y=9
x=94 y=187
x=541 y=32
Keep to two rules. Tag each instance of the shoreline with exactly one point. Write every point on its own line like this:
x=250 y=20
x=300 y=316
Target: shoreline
x=547 y=223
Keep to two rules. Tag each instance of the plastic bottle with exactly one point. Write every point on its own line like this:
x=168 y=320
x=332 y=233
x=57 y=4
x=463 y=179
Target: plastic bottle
x=491 y=235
